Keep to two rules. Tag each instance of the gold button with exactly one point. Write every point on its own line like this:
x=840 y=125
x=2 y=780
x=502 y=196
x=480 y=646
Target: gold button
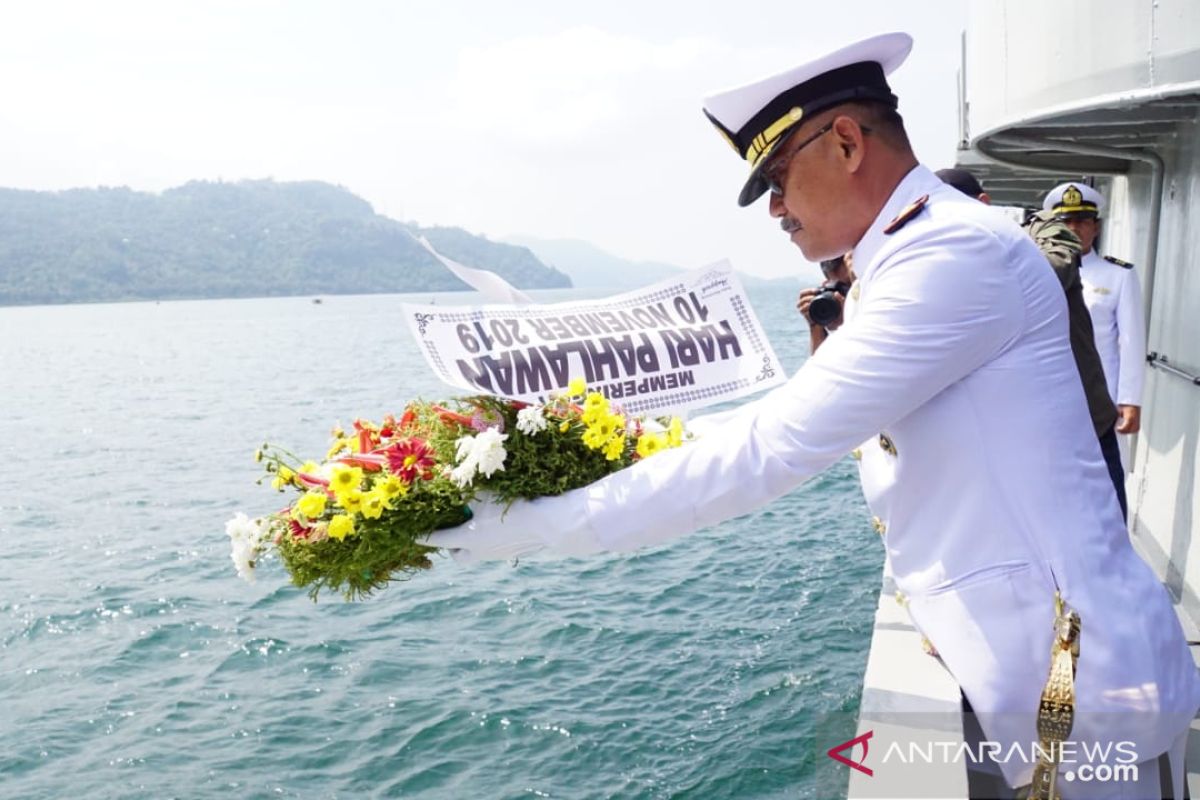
x=887 y=444
x=902 y=599
x=879 y=525
x=854 y=291
x=856 y=454
x=928 y=647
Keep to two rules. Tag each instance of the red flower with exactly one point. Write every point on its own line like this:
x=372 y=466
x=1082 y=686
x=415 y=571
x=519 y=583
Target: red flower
x=297 y=530
x=411 y=459
x=388 y=428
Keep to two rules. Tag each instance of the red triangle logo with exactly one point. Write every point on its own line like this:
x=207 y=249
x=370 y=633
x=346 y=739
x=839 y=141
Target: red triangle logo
x=835 y=752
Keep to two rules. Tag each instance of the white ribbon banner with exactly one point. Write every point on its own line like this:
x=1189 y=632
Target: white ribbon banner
x=683 y=343
x=494 y=288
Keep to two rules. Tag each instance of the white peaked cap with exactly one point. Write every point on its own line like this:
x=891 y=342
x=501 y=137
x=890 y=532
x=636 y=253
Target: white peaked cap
x=1074 y=197
x=758 y=117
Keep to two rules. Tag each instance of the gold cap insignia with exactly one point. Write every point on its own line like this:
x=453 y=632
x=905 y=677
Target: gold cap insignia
x=1072 y=196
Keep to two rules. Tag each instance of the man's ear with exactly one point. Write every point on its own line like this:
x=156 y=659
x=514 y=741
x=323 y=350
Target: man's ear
x=985 y=198
x=849 y=138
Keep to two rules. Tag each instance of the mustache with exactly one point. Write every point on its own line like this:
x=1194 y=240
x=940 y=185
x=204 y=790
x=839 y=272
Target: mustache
x=790 y=224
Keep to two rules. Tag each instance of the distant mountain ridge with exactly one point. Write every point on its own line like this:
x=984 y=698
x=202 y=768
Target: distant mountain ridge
x=244 y=239
x=591 y=267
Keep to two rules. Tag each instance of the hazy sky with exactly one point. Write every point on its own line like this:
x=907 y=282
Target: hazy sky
x=555 y=119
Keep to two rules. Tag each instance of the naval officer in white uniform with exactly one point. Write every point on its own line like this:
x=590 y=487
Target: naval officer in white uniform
x=953 y=375
x=1114 y=299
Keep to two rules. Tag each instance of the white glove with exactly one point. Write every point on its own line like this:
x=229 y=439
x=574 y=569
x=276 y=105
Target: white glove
x=556 y=524
x=561 y=525
x=709 y=424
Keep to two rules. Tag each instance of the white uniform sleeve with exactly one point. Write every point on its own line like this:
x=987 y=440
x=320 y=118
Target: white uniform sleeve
x=931 y=314
x=1131 y=342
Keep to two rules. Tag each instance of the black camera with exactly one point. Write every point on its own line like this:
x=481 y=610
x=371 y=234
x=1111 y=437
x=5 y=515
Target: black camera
x=825 y=308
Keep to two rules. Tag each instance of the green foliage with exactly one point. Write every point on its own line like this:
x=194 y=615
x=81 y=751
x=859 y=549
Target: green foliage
x=245 y=239
x=546 y=464
x=381 y=550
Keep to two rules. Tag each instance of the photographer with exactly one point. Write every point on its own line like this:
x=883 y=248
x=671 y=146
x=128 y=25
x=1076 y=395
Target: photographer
x=839 y=276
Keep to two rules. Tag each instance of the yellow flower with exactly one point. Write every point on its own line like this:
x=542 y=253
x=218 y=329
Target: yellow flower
x=592 y=437
x=310 y=468
x=283 y=478
x=675 y=432
x=566 y=424
x=351 y=500
x=600 y=431
x=650 y=443
x=576 y=387
x=344 y=479
x=595 y=406
x=391 y=486
x=615 y=448
x=311 y=504
x=338 y=446
x=610 y=425
x=373 y=504
x=340 y=527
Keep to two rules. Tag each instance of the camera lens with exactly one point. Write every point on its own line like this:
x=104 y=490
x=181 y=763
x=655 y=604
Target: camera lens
x=824 y=308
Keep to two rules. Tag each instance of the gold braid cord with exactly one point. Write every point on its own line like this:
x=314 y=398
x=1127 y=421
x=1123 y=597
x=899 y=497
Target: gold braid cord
x=1056 y=712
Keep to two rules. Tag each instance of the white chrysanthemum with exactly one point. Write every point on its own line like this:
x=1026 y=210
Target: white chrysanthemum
x=464 y=453
x=245 y=541
x=464 y=448
x=464 y=474
x=531 y=420
x=482 y=453
x=489 y=451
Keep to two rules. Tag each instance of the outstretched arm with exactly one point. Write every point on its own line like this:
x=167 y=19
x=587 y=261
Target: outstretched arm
x=930 y=315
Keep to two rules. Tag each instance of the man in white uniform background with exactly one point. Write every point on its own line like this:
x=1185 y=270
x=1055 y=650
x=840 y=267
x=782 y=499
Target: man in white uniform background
x=1114 y=299
x=952 y=379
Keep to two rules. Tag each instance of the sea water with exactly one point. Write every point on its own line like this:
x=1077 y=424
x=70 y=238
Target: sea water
x=135 y=664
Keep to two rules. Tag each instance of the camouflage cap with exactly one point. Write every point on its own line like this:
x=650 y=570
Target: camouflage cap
x=1057 y=242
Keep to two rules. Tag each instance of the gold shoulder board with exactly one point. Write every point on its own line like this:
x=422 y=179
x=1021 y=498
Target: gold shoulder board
x=910 y=211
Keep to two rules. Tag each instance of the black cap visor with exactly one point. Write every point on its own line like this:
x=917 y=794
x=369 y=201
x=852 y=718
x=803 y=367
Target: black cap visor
x=756 y=185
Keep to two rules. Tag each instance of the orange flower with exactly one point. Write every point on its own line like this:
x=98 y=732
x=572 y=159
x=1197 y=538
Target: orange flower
x=370 y=462
x=451 y=416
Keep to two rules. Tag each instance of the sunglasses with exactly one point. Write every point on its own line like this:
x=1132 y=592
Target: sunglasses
x=774 y=173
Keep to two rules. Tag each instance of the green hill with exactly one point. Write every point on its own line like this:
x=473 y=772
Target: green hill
x=245 y=239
